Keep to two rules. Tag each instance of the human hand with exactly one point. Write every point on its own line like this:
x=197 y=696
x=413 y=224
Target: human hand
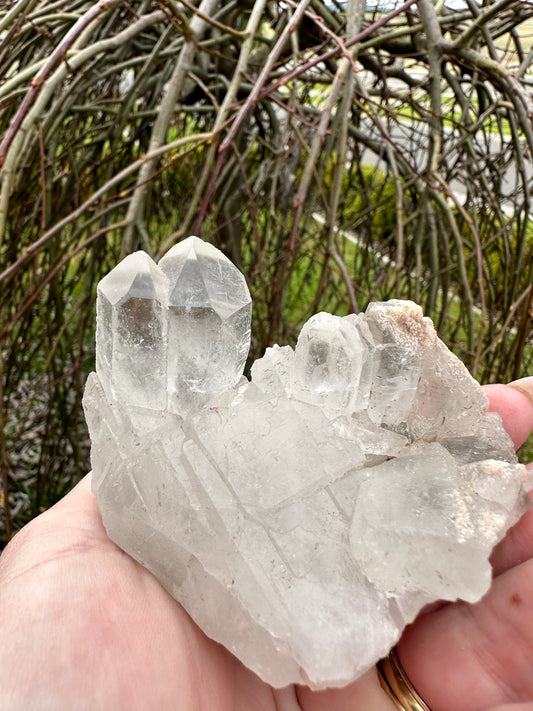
x=84 y=626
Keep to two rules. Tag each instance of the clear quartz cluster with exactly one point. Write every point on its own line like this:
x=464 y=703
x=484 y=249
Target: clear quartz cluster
x=303 y=517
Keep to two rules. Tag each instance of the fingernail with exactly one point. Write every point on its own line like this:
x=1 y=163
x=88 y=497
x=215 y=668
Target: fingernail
x=525 y=385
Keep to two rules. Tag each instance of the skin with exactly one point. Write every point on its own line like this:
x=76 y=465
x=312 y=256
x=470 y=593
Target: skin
x=83 y=626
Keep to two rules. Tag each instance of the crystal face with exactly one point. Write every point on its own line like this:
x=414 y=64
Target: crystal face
x=305 y=516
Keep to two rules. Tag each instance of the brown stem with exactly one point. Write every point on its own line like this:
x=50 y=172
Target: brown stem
x=55 y=58
x=4 y=459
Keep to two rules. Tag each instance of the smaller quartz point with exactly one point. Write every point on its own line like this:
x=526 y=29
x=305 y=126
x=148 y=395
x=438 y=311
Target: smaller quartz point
x=403 y=337
x=210 y=311
x=305 y=516
x=331 y=355
x=272 y=372
x=131 y=335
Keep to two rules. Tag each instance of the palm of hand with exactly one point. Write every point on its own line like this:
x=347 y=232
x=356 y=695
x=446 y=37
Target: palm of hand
x=97 y=613
x=85 y=626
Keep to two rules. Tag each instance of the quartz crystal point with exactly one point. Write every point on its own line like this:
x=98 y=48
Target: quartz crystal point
x=209 y=314
x=305 y=516
x=131 y=333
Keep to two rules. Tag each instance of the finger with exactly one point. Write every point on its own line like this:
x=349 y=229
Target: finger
x=517 y=546
x=365 y=693
x=515 y=406
x=473 y=657
x=514 y=403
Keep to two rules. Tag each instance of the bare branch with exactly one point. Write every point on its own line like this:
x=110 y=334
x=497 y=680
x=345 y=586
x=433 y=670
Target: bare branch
x=57 y=56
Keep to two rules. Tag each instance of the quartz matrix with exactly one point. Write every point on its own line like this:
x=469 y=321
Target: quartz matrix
x=305 y=516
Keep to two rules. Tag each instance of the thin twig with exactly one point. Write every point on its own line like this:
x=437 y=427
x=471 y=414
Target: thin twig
x=97 y=195
x=55 y=58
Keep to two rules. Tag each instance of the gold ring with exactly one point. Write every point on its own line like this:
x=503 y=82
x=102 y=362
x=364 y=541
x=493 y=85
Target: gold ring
x=395 y=682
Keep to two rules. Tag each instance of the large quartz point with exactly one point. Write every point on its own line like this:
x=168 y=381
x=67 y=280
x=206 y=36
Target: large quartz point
x=209 y=313
x=305 y=516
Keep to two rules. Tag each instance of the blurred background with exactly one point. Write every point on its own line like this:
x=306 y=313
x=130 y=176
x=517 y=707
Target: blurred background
x=337 y=152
